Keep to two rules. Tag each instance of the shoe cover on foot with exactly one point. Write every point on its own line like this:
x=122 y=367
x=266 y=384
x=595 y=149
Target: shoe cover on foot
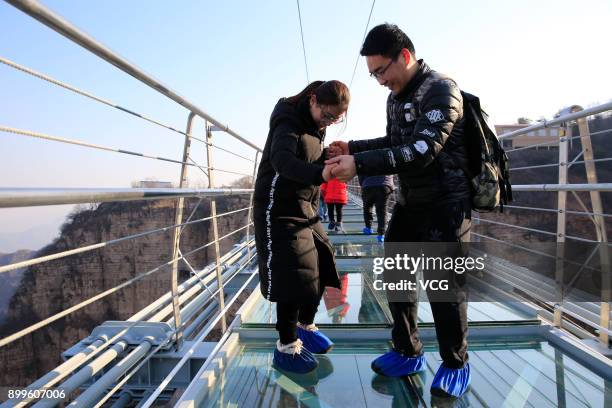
x=451 y=382
x=294 y=358
x=394 y=364
x=312 y=338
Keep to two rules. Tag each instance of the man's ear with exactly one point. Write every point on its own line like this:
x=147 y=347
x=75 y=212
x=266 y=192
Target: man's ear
x=406 y=55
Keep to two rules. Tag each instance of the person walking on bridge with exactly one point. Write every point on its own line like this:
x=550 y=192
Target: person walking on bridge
x=375 y=192
x=296 y=259
x=336 y=197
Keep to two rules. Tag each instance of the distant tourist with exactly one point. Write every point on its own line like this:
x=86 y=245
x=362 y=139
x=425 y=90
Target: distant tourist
x=322 y=205
x=296 y=259
x=336 y=197
x=375 y=192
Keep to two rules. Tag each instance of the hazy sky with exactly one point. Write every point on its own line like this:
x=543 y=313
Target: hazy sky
x=234 y=59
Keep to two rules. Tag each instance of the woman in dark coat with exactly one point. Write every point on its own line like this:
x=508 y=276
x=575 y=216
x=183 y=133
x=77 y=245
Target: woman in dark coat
x=296 y=259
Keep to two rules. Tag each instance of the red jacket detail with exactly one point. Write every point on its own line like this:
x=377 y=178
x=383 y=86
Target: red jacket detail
x=335 y=192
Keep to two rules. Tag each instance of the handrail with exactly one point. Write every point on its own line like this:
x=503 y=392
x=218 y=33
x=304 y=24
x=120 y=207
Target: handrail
x=563 y=187
x=104 y=244
x=9 y=339
x=111 y=104
x=556 y=142
x=539 y=166
x=28 y=197
x=30 y=133
x=552 y=210
x=561 y=119
x=62 y=26
x=164 y=383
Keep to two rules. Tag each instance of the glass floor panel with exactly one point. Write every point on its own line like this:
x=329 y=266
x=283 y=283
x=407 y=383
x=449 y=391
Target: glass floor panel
x=370 y=312
x=357 y=213
x=357 y=302
x=519 y=372
x=355 y=217
x=482 y=312
x=349 y=227
x=339 y=381
x=363 y=249
x=353 y=238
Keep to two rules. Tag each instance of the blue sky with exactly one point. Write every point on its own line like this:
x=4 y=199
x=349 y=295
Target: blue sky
x=235 y=59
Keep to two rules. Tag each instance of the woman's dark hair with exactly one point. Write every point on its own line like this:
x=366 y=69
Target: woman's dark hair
x=333 y=93
x=386 y=40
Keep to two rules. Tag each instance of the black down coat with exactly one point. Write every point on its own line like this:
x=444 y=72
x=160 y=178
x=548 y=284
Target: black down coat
x=424 y=145
x=296 y=259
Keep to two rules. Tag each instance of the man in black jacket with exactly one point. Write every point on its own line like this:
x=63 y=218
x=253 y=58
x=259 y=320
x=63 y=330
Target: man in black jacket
x=424 y=146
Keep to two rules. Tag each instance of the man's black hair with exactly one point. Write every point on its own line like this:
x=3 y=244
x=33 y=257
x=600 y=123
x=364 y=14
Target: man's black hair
x=386 y=40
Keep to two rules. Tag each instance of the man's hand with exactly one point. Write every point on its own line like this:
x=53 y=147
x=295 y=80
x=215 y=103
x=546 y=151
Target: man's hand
x=344 y=167
x=327 y=172
x=337 y=148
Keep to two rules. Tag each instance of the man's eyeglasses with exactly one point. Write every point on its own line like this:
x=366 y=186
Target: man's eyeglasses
x=329 y=118
x=378 y=73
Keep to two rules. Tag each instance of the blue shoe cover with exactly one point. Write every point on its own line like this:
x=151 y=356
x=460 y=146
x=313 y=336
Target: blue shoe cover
x=380 y=238
x=314 y=341
x=294 y=358
x=394 y=364
x=451 y=382
x=367 y=231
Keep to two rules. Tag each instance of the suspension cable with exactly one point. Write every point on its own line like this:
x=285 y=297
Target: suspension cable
x=364 y=36
x=303 y=46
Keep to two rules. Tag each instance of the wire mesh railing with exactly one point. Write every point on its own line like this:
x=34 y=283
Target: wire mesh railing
x=545 y=217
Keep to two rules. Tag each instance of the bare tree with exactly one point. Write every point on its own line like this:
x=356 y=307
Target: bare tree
x=243 y=182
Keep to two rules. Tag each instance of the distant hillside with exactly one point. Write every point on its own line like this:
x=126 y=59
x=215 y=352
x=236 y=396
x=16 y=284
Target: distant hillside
x=33 y=238
x=51 y=287
x=9 y=281
x=18 y=256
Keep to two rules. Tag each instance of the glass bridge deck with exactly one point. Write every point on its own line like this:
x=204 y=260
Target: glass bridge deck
x=517 y=372
x=515 y=360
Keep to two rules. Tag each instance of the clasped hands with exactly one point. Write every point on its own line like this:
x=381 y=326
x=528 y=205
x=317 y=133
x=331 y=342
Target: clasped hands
x=339 y=164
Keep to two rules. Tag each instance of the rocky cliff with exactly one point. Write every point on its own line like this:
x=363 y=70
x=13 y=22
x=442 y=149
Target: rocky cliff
x=51 y=287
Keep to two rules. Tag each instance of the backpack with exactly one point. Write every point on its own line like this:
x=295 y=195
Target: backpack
x=488 y=168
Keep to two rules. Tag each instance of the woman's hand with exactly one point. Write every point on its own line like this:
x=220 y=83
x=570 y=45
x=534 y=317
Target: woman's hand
x=327 y=172
x=337 y=148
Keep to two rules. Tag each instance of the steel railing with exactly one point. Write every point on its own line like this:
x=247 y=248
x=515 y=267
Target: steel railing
x=188 y=305
x=566 y=120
